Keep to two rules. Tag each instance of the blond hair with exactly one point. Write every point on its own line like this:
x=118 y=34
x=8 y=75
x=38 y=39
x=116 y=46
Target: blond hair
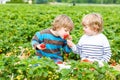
x=94 y=21
x=62 y=21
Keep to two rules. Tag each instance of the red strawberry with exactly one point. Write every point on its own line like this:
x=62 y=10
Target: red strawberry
x=42 y=45
x=65 y=36
x=59 y=62
x=85 y=60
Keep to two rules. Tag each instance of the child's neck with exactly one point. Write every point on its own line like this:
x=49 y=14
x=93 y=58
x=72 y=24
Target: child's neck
x=54 y=32
x=93 y=34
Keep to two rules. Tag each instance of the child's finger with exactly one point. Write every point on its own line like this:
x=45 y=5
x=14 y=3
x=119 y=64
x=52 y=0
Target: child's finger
x=70 y=37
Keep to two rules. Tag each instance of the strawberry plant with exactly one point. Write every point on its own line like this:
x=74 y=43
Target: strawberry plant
x=18 y=25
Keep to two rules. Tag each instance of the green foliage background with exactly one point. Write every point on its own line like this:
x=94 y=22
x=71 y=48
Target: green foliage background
x=19 y=22
x=70 y=1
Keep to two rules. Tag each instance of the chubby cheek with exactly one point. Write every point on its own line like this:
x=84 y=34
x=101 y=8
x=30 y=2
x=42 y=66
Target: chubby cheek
x=61 y=34
x=87 y=31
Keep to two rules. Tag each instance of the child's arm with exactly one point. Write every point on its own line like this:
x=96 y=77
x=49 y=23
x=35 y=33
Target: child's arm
x=70 y=43
x=106 y=50
x=75 y=48
x=107 y=54
x=36 y=42
x=66 y=48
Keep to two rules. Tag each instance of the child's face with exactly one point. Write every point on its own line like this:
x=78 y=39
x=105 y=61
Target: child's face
x=89 y=31
x=62 y=32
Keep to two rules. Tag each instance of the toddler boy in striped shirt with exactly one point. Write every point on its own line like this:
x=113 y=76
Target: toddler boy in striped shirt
x=52 y=42
x=93 y=45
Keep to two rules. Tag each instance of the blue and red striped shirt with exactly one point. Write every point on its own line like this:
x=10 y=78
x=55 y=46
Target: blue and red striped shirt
x=55 y=45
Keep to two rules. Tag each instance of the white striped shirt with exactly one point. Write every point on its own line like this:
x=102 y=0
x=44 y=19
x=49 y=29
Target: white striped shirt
x=93 y=47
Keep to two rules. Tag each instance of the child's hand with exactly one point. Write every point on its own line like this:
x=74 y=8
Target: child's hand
x=69 y=37
x=70 y=43
x=41 y=46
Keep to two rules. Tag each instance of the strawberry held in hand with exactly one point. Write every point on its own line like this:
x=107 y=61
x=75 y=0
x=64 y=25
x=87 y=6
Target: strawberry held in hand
x=65 y=36
x=42 y=46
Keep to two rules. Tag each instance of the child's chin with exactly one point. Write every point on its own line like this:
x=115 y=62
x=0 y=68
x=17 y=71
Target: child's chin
x=89 y=34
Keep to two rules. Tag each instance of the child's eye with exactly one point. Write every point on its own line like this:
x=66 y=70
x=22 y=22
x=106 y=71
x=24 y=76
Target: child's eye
x=66 y=30
x=85 y=27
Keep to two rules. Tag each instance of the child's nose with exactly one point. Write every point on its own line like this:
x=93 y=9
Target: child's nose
x=68 y=33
